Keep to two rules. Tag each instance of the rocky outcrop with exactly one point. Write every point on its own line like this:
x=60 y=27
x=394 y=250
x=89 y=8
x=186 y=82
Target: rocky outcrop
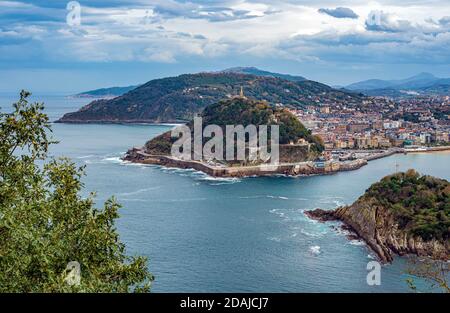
x=378 y=227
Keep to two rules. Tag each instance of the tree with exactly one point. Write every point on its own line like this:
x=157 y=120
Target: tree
x=45 y=225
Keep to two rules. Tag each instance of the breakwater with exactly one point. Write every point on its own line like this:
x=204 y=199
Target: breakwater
x=300 y=168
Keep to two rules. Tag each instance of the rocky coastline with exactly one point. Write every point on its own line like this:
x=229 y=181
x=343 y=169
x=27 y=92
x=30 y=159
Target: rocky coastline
x=379 y=229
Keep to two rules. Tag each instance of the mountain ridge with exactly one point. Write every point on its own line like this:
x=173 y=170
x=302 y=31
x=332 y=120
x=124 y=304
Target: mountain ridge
x=178 y=99
x=107 y=92
x=116 y=91
x=258 y=72
x=422 y=83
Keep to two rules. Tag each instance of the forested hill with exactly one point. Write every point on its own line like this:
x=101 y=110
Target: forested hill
x=404 y=213
x=179 y=98
x=248 y=112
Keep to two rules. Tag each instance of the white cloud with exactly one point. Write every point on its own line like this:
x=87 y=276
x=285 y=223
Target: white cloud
x=165 y=30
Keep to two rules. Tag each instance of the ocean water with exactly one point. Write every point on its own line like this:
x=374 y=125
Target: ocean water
x=230 y=235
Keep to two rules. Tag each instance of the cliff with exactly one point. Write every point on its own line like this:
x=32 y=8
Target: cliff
x=404 y=213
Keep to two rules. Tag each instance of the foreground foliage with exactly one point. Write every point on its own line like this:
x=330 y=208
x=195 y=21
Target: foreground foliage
x=44 y=222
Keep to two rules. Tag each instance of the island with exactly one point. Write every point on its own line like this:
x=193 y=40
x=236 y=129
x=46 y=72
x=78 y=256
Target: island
x=404 y=213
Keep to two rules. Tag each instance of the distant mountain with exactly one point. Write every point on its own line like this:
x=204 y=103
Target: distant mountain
x=179 y=98
x=423 y=83
x=391 y=93
x=257 y=72
x=113 y=92
x=370 y=84
x=105 y=92
x=442 y=87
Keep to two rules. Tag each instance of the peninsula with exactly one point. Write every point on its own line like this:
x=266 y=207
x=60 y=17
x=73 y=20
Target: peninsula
x=300 y=152
x=404 y=213
x=179 y=99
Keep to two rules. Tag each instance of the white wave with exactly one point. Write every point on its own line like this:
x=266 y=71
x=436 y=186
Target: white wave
x=127 y=163
x=357 y=243
x=113 y=160
x=117 y=159
x=277 y=212
x=125 y=194
x=343 y=232
x=200 y=176
x=315 y=250
x=85 y=156
x=169 y=124
x=177 y=170
x=310 y=234
x=224 y=179
x=307 y=218
x=218 y=181
x=277 y=197
x=276 y=239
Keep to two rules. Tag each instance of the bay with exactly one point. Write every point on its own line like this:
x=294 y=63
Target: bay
x=203 y=234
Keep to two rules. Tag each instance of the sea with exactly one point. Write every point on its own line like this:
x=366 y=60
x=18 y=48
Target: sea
x=205 y=234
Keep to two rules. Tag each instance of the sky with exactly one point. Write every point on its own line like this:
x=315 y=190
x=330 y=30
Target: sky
x=60 y=47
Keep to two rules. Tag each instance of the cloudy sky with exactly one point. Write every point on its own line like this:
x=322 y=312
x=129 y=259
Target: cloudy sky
x=123 y=42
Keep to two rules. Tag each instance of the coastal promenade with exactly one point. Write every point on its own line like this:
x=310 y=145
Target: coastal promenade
x=138 y=155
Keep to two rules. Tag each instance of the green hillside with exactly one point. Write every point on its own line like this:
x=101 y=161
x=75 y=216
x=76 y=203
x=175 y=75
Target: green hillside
x=248 y=112
x=180 y=98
